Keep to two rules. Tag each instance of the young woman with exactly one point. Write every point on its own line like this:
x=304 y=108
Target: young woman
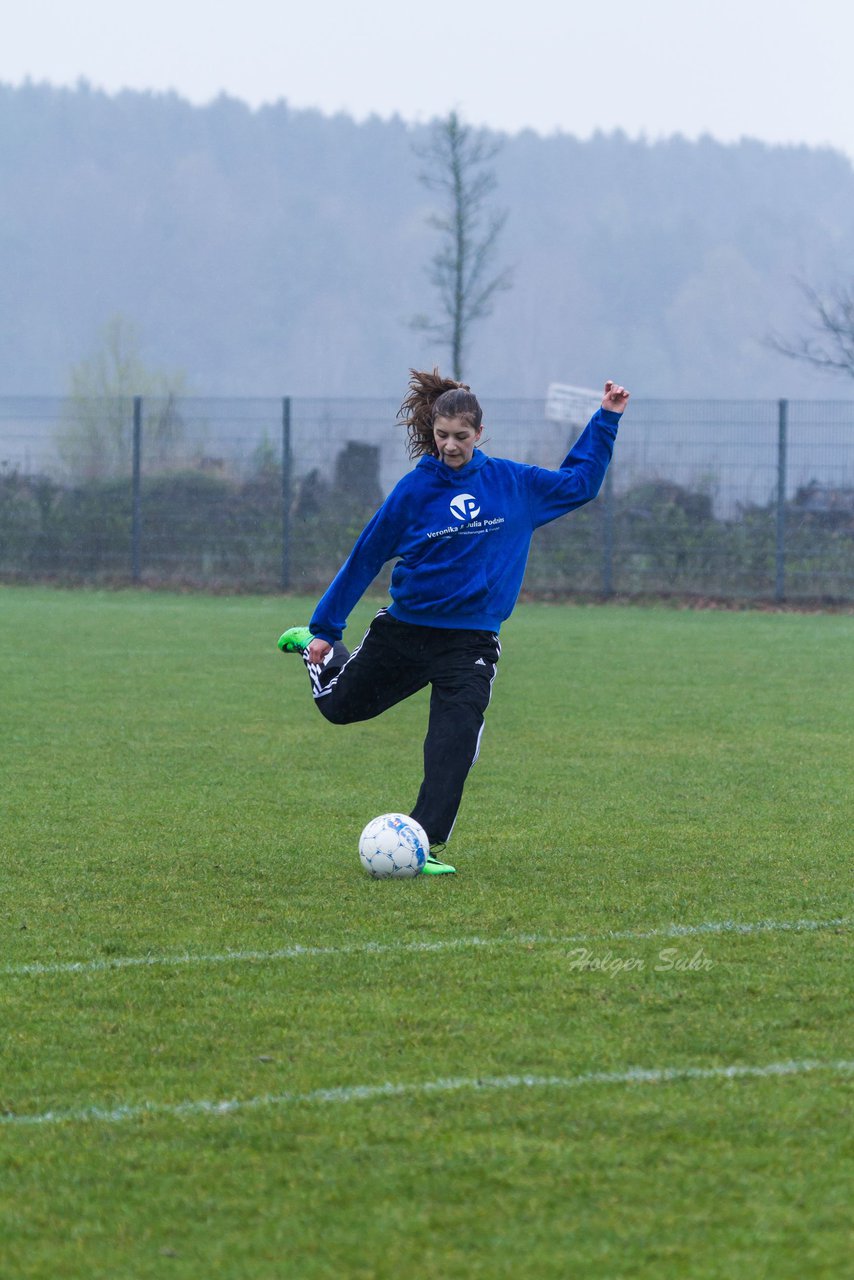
x=461 y=524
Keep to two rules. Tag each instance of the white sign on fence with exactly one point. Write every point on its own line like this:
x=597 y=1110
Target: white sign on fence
x=575 y=405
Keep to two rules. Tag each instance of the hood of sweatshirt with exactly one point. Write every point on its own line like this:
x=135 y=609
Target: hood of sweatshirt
x=456 y=477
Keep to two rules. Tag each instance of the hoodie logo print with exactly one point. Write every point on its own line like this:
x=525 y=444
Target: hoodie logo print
x=464 y=507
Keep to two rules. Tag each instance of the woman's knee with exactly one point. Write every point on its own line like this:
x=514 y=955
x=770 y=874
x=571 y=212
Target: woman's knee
x=340 y=710
x=332 y=711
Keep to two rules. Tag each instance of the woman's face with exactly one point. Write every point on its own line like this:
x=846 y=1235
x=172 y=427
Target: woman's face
x=455 y=441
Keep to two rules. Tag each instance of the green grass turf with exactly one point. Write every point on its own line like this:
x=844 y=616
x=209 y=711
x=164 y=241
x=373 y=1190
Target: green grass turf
x=168 y=790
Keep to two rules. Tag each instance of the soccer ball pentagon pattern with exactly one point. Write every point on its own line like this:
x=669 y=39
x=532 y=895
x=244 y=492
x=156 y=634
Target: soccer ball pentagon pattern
x=393 y=845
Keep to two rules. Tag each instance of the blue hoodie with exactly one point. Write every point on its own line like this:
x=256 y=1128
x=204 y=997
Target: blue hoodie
x=462 y=535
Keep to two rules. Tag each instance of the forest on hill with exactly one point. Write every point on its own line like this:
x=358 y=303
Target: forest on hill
x=275 y=251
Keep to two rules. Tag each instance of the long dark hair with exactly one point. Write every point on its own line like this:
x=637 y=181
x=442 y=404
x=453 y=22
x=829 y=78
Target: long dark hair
x=430 y=397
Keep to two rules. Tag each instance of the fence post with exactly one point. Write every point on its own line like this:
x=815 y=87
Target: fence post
x=286 y=493
x=780 y=538
x=136 y=491
x=608 y=535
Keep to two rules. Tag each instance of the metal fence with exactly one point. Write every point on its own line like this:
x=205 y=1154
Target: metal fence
x=749 y=499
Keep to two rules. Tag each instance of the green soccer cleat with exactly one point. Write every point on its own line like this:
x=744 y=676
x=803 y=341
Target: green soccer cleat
x=433 y=867
x=295 y=640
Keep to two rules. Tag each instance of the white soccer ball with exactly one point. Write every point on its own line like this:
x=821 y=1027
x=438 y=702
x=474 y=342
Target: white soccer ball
x=393 y=845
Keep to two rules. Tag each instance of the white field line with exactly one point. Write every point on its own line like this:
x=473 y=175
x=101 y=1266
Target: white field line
x=298 y=952
x=424 y=1088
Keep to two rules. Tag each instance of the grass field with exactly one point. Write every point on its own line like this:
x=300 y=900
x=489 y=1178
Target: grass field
x=616 y=1044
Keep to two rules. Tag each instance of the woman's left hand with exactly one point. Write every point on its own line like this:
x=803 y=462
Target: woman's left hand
x=616 y=397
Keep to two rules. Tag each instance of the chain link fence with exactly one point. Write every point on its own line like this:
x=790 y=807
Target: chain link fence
x=747 y=499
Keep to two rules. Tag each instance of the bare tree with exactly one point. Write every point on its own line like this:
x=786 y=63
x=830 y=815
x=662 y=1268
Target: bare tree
x=831 y=345
x=458 y=168
x=94 y=440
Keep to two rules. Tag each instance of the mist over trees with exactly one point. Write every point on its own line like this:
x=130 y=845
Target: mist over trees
x=279 y=251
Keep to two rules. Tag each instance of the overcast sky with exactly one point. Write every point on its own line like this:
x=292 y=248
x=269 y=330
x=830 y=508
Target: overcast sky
x=778 y=70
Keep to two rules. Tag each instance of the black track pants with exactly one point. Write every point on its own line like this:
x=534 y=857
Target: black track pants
x=395 y=660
